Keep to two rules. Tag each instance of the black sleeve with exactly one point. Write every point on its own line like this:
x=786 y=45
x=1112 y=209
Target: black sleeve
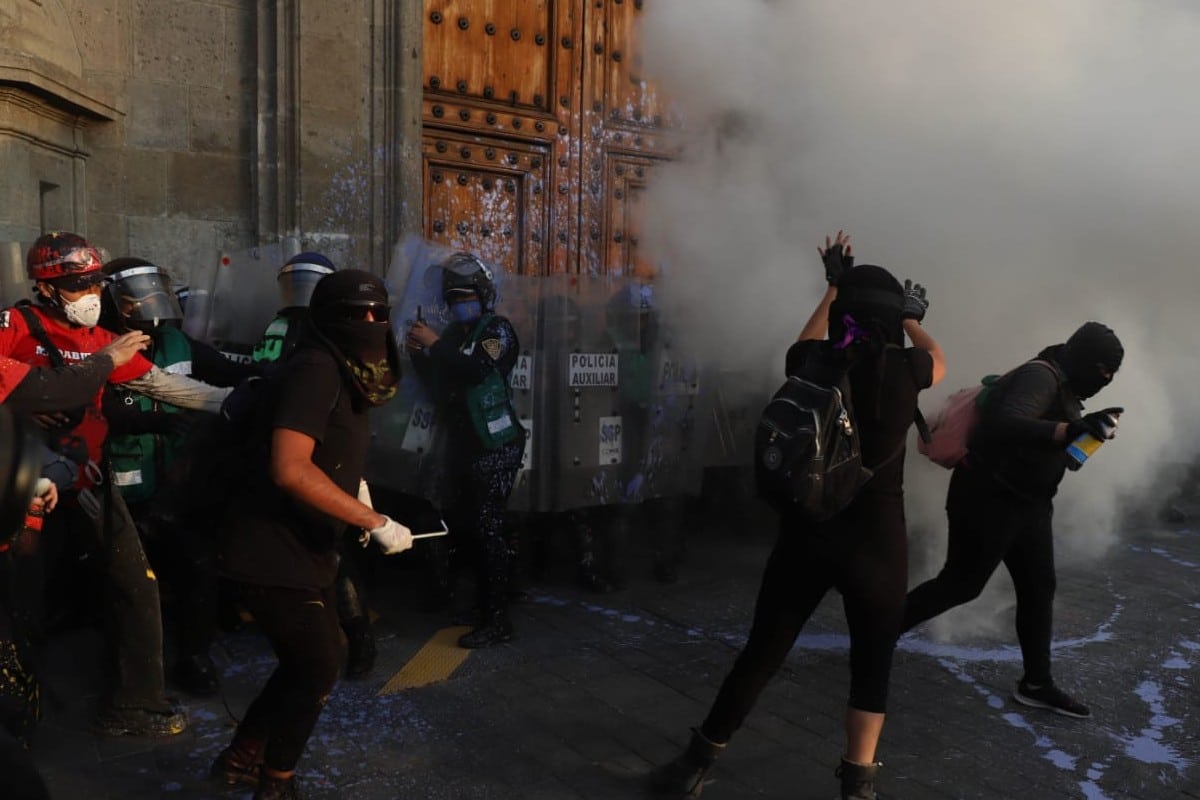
x=214 y=368
x=497 y=348
x=1018 y=414
x=309 y=387
x=48 y=389
x=798 y=353
x=921 y=364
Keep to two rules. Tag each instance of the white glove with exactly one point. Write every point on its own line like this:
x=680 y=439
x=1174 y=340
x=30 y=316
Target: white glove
x=392 y=537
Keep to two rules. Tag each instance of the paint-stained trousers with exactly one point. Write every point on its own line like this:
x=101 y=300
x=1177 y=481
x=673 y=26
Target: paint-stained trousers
x=129 y=601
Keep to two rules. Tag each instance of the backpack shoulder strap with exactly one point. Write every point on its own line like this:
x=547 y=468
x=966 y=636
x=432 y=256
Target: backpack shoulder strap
x=39 y=332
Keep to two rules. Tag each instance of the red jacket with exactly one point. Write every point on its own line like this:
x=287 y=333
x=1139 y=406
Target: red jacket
x=17 y=343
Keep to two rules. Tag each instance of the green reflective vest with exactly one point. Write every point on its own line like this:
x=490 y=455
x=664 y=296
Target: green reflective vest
x=138 y=461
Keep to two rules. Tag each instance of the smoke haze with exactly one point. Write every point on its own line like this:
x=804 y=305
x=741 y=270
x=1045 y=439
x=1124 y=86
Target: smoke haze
x=1032 y=163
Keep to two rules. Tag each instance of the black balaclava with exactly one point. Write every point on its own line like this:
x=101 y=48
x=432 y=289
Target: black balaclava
x=366 y=350
x=873 y=299
x=1090 y=352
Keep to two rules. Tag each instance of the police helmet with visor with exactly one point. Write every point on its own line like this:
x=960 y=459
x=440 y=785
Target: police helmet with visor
x=142 y=295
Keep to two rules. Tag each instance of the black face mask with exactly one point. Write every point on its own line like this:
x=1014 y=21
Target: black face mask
x=369 y=353
x=1090 y=358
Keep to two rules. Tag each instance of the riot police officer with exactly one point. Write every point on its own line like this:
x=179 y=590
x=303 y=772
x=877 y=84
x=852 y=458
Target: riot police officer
x=146 y=437
x=466 y=369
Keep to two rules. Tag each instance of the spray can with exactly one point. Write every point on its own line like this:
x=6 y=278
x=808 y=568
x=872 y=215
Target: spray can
x=1085 y=444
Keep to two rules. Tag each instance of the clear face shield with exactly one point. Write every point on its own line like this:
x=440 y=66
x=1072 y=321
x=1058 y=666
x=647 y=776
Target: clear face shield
x=297 y=281
x=144 y=298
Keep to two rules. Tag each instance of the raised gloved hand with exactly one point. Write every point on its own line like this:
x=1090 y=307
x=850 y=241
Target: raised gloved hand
x=915 y=302
x=836 y=257
x=1100 y=424
x=391 y=536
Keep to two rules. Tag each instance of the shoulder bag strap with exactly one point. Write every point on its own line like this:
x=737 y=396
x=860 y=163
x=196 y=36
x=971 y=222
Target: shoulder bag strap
x=39 y=332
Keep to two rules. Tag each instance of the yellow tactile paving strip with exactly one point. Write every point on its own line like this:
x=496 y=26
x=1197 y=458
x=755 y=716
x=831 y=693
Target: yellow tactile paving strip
x=435 y=661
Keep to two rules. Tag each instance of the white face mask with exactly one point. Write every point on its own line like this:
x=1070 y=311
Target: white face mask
x=85 y=311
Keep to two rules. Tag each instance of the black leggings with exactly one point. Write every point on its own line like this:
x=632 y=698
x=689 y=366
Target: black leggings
x=302 y=626
x=988 y=525
x=864 y=555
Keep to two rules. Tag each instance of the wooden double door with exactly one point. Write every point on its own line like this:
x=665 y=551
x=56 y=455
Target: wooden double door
x=539 y=132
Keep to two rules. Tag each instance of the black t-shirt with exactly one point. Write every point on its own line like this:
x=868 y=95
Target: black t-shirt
x=273 y=539
x=882 y=411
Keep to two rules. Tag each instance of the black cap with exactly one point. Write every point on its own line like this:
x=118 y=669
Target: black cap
x=350 y=287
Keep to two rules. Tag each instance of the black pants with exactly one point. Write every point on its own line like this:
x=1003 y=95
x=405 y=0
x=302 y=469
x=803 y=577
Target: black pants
x=302 y=627
x=128 y=601
x=864 y=555
x=989 y=524
x=185 y=557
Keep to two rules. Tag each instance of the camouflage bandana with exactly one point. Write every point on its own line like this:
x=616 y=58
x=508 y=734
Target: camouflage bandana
x=376 y=380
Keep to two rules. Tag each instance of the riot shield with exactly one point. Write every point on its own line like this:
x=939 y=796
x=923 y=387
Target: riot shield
x=407 y=445
x=14 y=284
x=669 y=462
x=579 y=449
x=729 y=411
x=519 y=302
x=244 y=298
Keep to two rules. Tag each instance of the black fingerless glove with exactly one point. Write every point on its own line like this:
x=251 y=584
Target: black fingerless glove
x=837 y=261
x=915 y=302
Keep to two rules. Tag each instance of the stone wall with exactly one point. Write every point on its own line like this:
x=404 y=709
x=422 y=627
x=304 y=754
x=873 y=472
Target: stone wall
x=177 y=130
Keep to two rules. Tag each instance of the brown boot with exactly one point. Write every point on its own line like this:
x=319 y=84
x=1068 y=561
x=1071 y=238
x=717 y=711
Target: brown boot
x=684 y=777
x=240 y=762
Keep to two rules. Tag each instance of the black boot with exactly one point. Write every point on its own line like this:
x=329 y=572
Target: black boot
x=684 y=777
x=496 y=629
x=858 y=780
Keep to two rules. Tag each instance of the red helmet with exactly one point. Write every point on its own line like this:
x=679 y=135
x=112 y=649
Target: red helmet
x=60 y=255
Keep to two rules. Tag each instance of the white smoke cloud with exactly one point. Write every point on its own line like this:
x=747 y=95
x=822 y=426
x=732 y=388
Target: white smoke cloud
x=1032 y=163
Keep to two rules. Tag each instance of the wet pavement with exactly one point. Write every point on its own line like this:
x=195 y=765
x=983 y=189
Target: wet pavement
x=596 y=689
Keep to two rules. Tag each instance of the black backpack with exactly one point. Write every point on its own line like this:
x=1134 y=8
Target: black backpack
x=807 y=453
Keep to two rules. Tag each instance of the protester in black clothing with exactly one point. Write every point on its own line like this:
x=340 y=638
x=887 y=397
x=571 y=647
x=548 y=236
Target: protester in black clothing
x=1001 y=498
x=286 y=520
x=145 y=452
x=467 y=370
x=862 y=551
x=296 y=280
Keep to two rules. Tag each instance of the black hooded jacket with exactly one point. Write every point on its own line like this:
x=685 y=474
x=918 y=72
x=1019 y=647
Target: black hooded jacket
x=1015 y=437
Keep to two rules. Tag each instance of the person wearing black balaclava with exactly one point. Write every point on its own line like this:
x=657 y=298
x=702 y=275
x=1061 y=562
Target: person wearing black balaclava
x=285 y=523
x=1001 y=497
x=862 y=552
